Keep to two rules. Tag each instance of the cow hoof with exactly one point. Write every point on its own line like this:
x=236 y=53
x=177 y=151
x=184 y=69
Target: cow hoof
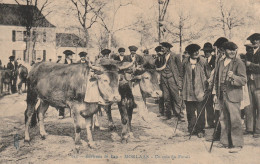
x=77 y=149
x=92 y=145
x=112 y=127
x=27 y=142
x=43 y=137
x=124 y=141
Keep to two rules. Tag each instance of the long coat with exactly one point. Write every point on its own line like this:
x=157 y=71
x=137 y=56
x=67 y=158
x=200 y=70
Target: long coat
x=175 y=66
x=254 y=67
x=234 y=86
x=200 y=82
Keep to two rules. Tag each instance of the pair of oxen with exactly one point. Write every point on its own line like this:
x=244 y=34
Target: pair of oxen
x=12 y=79
x=61 y=85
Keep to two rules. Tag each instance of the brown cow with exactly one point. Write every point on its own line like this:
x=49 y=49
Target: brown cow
x=5 y=81
x=61 y=85
x=148 y=80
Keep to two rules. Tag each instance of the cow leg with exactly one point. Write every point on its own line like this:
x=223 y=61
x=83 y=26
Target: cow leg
x=89 y=122
x=19 y=86
x=41 y=112
x=30 y=114
x=122 y=106
x=111 y=124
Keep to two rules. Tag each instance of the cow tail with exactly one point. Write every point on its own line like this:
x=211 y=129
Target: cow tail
x=31 y=102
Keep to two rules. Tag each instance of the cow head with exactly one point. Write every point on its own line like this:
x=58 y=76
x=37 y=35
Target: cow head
x=150 y=78
x=108 y=81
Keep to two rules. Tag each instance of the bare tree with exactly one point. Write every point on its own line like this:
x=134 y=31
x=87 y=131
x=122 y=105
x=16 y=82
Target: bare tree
x=230 y=17
x=34 y=16
x=107 y=20
x=183 y=30
x=87 y=14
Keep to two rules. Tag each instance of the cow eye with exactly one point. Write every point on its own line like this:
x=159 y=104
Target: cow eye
x=146 y=77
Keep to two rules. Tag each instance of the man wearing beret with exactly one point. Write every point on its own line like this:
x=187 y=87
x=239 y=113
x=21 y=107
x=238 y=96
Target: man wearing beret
x=13 y=66
x=83 y=57
x=210 y=60
x=133 y=56
x=159 y=62
x=195 y=75
x=171 y=81
x=68 y=60
x=68 y=56
x=230 y=77
x=121 y=57
x=253 y=69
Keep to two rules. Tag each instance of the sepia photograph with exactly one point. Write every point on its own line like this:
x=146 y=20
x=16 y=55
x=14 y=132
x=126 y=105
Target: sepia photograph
x=130 y=81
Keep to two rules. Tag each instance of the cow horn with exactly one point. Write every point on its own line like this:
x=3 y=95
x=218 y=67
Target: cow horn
x=127 y=66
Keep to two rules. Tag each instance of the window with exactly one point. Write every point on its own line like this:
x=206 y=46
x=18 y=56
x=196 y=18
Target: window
x=44 y=36
x=13 y=52
x=18 y=35
x=39 y=36
x=19 y=54
x=44 y=55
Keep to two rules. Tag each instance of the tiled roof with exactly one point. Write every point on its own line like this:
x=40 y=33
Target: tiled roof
x=16 y=15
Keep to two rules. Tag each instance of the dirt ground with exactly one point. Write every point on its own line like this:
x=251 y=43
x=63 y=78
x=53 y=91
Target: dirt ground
x=153 y=140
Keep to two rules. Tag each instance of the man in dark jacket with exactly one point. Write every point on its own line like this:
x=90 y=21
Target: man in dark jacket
x=230 y=77
x=253 y=68
x=159 y=62
x=210 y=60
x=195 y=77
x=13 y=66
x=171 y=80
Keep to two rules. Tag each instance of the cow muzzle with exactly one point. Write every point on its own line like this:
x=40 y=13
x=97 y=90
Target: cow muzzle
x=156 y=93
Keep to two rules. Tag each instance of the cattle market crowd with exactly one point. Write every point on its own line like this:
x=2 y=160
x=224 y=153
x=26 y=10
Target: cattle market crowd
x=218 y=89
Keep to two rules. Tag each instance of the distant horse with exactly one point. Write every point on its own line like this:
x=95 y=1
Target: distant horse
x=21 y=77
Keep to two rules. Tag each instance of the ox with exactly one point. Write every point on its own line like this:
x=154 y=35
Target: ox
x=64 y=86
x=148 y=79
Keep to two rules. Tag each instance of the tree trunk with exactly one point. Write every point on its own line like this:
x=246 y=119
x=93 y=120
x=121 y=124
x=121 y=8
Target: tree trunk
x=109 y=40
x=180 y=40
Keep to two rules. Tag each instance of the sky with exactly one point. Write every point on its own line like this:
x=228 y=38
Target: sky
x=63 y=18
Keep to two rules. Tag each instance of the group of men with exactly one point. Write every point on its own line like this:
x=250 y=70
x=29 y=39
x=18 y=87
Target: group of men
x=212 y=84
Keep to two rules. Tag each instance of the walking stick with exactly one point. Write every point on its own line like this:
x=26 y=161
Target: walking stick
x=215 y=130
x=203 y=108
x=178 y=118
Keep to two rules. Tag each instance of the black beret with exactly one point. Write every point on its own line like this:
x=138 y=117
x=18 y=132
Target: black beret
x=192 y=48
x=81 y=54
x=146 y=51
x=229 y=46
x=255 y=36
x=158 y=49
x=208 y=47
x=11 y=57
x=166 y=44
x=68 y=52
x=105 y=51
x=220 y=41
x=121 y=49
x=133 y=48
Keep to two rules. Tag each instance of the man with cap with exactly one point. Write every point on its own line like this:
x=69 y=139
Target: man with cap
x=230 y=77
x=13 y=66
x=210 y=60
x=195 y=75
x=171 y=81
x=68 y=56
x=121 y=56
x=159 y=62
x=68 y=60
x=133 y=56
x=83 y=57
x=59 y=59
x=253 y=69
